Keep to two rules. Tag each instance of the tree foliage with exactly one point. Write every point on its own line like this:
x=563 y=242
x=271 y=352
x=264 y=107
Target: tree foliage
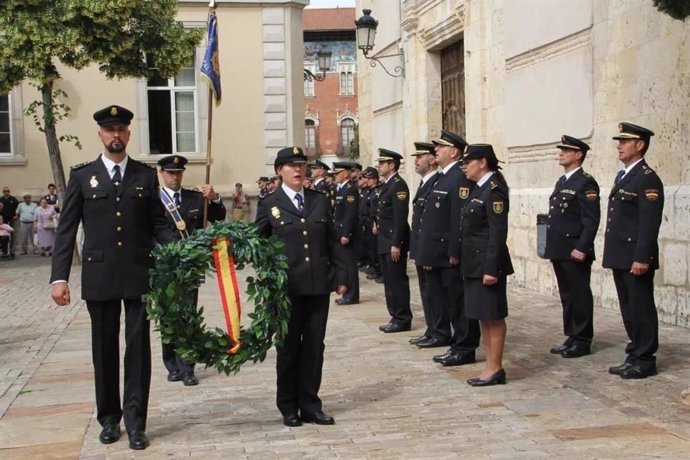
x=117 y=36
x=677 y=9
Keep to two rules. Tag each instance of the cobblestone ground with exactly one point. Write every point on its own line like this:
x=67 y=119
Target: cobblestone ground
x=388 y=398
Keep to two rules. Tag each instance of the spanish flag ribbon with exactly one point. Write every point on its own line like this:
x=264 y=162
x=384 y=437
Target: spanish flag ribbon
x=229 y=293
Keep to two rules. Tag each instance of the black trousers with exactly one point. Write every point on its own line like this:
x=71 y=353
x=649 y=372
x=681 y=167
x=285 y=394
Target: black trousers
x=105 y=346
x=425 y=294
x=300 y=358
x=396 y=286
x=5 y=245
x=352 y=293
x=171 y=358
x=636 y=299
x=466 y=334
x=576 y=298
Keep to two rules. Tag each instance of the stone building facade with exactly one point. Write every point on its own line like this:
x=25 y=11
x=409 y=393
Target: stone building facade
x=532 y=70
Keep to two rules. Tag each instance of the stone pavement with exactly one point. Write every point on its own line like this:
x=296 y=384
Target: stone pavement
x=389 y=400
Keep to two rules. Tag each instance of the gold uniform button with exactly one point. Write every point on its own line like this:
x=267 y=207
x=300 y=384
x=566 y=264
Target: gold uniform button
x=119 y=229
x=304 y=233
x=119 y=243
x=306 y=246
x=116 y=199
x=118 y=214
x=303 y=220
x=306 y=259
x=89 y=259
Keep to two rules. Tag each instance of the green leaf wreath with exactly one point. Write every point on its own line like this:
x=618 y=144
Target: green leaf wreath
x=178 y=268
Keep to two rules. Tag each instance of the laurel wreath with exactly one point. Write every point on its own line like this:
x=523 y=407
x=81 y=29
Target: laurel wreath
x=178 y=269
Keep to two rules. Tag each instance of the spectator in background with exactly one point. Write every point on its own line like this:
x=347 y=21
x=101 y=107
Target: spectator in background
x=240 y=204
x=44 y=228
x=25 y=212
x=52 y=197
x=5 y=231
x=8 y=206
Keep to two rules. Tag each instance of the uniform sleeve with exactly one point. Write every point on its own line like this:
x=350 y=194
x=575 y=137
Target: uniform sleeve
x=162 y=233
x=216 y=211
x=588 y=198
x=401 y=209
x=650 y=195
x=262 y=223
x=66 y=232
x=497 y=216
x=336 y=250
x=351 y=206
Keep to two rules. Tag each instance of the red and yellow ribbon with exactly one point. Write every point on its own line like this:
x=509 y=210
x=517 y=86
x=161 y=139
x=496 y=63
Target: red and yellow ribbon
x=229 y=293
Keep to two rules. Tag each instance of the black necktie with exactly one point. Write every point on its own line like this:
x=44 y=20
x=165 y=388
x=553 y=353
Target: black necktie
x=300 y=202
x=561 y=182
x=117 y=177
x=176 y=197
x=619 y=176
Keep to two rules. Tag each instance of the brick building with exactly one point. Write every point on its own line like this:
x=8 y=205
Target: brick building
x=331 y=110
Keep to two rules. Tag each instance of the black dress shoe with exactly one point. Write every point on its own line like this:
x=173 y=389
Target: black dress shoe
x=174 y=376
x=378 y=280
x=318 y=417
x=397 y=327
x=346 y=301
x=439 y=358
x=138 y=440
x=384 y=326
x=292 y=419
x=636 y=371
x=561 y=348
x=457 y=359
x=189 y=379
x=617 y=370
x=419 y=338
x=499 y=378
x=576 y=351
x=110 y=433
x=432 y=342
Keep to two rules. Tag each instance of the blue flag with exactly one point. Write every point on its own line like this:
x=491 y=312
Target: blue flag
x=211 y=66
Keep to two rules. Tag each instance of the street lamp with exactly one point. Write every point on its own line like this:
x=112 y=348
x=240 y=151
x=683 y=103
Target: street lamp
x=324 y=61
x=366 y=34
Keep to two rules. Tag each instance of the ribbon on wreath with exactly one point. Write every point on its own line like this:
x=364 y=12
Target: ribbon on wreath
x=229 y=292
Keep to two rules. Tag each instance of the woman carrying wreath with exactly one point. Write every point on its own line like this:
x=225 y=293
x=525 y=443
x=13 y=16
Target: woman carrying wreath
x=302 y=220
x=484 y=257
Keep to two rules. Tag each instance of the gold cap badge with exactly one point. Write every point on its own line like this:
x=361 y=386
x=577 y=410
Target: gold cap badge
x=176 y=160
x=113 y=111
x=295 y=150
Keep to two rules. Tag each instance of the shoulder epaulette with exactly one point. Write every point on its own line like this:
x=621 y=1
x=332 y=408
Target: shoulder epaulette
x=493 y=184
x=397 y=178
x=647 y=169
x=79 y=166
x=589 y=176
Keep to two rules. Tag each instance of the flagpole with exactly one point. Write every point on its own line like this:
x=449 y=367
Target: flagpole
x=212 y=6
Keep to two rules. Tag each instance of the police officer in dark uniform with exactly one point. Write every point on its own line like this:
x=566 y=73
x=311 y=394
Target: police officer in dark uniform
x=319 y=170
x=631 y=250
x=366 y=220
x=190 y=205
x=439 y=255
x=301 y=218
x=116 y=198
x=573 y=221
x=346 y=223
x=486 y=262
x=263 y=187
x=393 y=241
x=425 y=166
x=371 y=176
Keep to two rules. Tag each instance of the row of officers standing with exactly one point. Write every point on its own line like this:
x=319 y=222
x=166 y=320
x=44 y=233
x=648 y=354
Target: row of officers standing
x=457 y=241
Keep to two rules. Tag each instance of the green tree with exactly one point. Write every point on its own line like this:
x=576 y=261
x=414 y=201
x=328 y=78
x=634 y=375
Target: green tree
x=38 y=36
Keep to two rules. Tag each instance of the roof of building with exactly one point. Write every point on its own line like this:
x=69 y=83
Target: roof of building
x=316 y=19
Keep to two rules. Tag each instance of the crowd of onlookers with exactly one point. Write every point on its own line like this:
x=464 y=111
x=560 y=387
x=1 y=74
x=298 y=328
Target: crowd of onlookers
x=25 y=223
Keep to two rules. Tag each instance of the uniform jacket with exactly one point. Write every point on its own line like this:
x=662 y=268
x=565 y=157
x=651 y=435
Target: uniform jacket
x=391 y=215
x=120 y=226
x=439 y=238
x=312 y=247
x=574 y=213
x=635 y=209
x=418 y=203
x=263 y=193
x=484 y=231
x=324 y=188
x=346 y=210
x=192 y=211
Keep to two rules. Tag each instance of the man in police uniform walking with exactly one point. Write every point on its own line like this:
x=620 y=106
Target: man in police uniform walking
x=425 y=166
x=319 y=170
x=116 y=198
x=346 y=220
x=631 y=250
x=190 y=206
x=393 y=240
x=572 y=225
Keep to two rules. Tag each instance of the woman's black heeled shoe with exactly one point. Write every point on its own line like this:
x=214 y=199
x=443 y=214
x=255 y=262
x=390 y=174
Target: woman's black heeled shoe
x=499 y=378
